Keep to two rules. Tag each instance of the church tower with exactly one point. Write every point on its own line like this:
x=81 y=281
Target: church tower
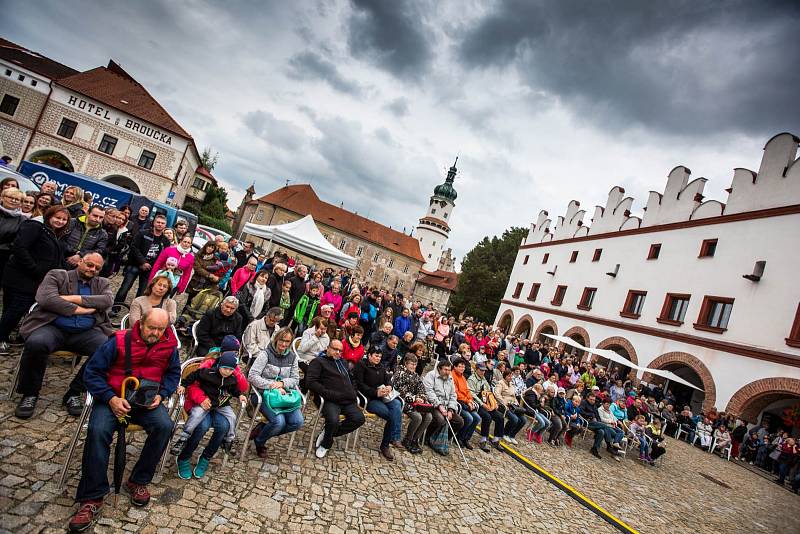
x=433 y=229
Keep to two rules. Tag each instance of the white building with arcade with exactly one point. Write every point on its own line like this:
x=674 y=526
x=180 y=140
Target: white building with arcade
x=704 y=288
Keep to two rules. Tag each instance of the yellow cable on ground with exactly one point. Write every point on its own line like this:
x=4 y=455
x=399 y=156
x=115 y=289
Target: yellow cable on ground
x=569 y=490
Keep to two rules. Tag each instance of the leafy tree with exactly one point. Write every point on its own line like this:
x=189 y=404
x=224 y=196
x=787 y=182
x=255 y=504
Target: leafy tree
x=209 y=158
x=484 y=275
x=215 y=202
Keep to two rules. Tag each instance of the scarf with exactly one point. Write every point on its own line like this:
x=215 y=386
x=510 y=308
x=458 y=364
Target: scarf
x=182 y=251
x=12 y=213
x=259 y=297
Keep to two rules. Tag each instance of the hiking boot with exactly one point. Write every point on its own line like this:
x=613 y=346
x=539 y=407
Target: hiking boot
x=387 y=453
x=201 y=467
x=184 y=469
x=26 y=406
x=595 y=452
x=4 y=351
x=177 y=447
x=74 y=405
x=467 y=445
x=139 y=494
x=85 y=515
x=485 y=446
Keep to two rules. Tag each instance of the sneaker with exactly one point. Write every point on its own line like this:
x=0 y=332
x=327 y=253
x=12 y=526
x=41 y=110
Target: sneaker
x=139 y=494
x=595 y=453
x=26 y=406
x=85 y=515
x=512 y=440
x=387 y=453
x=184 y=469
x=177 y=447
x=321 y=452
x=227 y=446
x=484 y=446
x=74 y=405
x=616 y=446
x=617 y=458
x=4 y=350
x=201 y=467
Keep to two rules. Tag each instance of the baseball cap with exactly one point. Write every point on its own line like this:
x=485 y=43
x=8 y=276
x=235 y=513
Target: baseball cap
x=481 y=366
x=595 y=388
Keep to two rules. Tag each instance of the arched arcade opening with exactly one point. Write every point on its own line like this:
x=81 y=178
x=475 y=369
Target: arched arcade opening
x=53 y=159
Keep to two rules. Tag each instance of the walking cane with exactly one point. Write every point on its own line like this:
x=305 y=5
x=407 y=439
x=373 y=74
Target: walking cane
x=455 y=438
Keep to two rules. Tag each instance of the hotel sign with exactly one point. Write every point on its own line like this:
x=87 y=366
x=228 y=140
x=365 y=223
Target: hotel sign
x=118 y=119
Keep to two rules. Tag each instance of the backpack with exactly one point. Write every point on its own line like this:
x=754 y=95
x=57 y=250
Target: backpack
x=205 y=300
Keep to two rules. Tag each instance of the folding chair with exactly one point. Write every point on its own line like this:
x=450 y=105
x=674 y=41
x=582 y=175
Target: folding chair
x=83 y=426
x=259 y=417
x=317 y=417
x=58 y=353
x=295 y=346
x=729 y=448
x=194 y=340
x=680 y=430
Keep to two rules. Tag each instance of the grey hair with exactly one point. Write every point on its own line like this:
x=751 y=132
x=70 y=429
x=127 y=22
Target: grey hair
x=232 y=300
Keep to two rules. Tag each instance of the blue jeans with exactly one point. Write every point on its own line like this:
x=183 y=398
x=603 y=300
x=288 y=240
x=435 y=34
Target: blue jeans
x=221 y=428
x=131 y=275
x=514 y=423
x=471 y=420
x=392 y=413
x=97 y=448
x=601 y=431
x=279 y=424
x=542 y=423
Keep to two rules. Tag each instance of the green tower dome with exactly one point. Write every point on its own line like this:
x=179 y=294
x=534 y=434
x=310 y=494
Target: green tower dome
x=446 y=190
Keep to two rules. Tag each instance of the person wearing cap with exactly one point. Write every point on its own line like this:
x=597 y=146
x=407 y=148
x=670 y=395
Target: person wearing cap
x=275 y=367
x=216 y=385
x=558 y=417
x=258 y=334
x=480 y=389
x=374 y=381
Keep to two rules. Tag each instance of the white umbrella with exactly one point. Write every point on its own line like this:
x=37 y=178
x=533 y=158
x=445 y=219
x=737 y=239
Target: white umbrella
x=614 y=357
x=567 y=341
x=669 y=375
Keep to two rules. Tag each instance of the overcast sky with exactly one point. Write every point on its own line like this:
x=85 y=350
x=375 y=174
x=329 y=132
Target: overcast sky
x=370 y=101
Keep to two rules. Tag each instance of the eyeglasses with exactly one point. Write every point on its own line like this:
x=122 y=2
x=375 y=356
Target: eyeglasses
x=12 y=199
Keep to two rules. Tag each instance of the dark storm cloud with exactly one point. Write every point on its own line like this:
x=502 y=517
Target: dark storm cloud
x=679 y=66
x=391 y=35
x=311 y=66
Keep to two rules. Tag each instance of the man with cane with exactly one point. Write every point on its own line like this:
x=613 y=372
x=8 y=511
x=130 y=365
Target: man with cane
x=441 y=392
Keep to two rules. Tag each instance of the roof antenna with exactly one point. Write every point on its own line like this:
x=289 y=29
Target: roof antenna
x=287 y=181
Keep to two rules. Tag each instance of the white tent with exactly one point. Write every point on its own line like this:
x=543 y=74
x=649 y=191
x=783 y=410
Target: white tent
x=669 y=375
x=614 y=357
x=566 y=340
x=304 y=237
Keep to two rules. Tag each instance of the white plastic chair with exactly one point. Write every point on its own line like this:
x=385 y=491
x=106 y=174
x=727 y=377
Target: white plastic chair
x=727 y=449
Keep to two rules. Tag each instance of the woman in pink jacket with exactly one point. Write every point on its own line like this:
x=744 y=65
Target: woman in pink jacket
x=333 y=297
x=183 y=253
x=243 y=275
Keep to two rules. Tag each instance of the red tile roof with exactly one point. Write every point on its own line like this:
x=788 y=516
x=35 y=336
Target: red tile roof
x=441 y=279
x=205 y=172
x=33 y=61
x=111 y=85
x=302 y=200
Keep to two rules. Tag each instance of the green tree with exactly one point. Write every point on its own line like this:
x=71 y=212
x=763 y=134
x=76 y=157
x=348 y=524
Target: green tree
x=209 y=158
x=484 y=275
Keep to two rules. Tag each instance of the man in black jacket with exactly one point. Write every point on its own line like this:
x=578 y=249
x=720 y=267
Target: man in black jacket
x=588 y=411
x=141 y=223
x=144 y=251
x=86 y=234
x=327 y=376
x=217 y=323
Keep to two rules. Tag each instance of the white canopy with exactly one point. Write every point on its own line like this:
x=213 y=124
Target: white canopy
x=614 y=357
x=302 y=236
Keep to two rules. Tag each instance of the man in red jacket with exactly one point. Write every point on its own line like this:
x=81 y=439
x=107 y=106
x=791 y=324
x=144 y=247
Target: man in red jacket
x=153 y=351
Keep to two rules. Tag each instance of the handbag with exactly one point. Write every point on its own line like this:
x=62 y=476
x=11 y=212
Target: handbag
x=144 y=395
x=440 y=441
x=391 y=396
x=282 y=402
x=776 y=454
x=422 y=407
x=489 y=400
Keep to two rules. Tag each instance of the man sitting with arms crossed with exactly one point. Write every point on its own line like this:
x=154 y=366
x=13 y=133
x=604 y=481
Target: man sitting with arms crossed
x=329 y=378
x=153 y=356
x=70 y=315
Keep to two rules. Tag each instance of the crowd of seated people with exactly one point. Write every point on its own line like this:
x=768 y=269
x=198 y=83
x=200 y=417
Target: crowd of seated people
x=268 y=328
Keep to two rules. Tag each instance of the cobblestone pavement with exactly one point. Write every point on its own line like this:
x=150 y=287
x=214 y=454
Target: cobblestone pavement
x=359 y=491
